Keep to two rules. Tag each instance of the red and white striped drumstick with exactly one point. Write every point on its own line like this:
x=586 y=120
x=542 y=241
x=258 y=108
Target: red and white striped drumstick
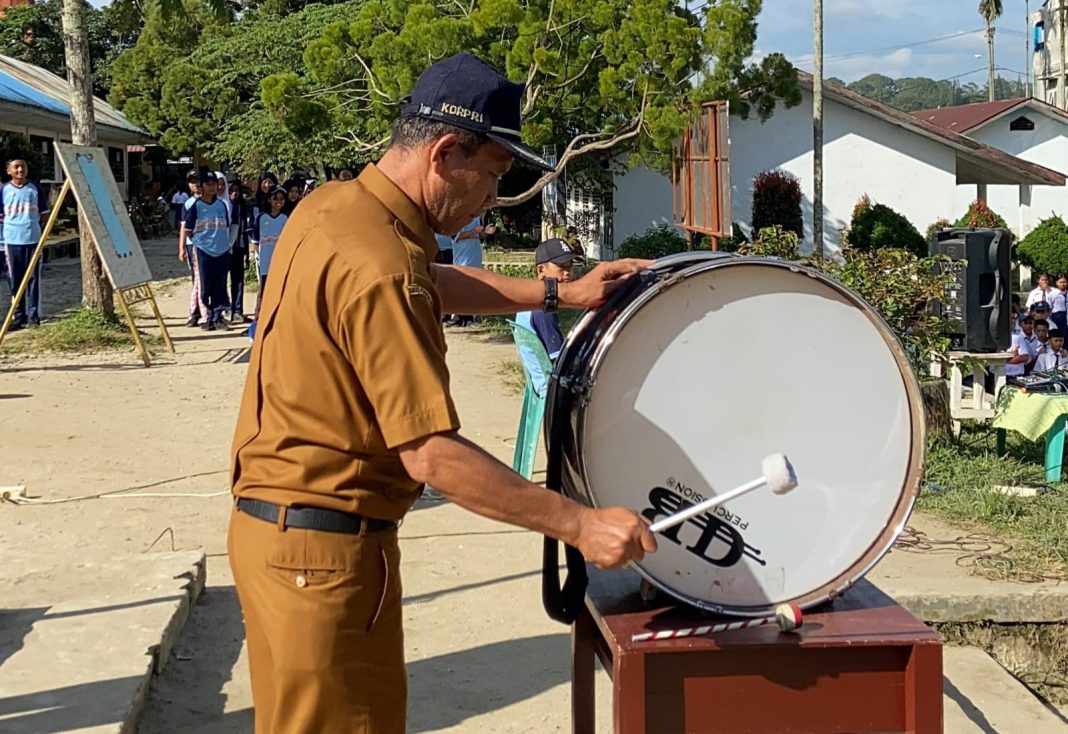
x=787 y=616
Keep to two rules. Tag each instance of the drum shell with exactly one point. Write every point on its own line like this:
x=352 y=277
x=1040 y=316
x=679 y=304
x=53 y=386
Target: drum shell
x=575 y=380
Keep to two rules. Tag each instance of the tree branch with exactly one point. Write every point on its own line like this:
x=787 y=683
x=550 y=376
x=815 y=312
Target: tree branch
x=574 y=150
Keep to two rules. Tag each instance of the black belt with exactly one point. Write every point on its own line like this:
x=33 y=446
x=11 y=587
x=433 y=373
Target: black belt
x=315 y=518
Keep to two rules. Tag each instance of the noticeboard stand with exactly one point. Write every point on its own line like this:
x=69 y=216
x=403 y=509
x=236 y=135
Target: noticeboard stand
x=126 y=297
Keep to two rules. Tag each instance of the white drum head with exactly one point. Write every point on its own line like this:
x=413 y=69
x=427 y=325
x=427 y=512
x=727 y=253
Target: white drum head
x=715 y=373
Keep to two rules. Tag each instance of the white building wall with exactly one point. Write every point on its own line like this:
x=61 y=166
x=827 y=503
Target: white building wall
x=912 y=174
x=1046 y=145
x=642 y=201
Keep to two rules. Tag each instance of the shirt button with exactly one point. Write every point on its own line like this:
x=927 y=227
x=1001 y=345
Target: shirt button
x=301 y=581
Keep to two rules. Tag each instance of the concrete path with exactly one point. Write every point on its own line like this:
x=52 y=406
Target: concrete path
x=982 y=697
x=79 y=656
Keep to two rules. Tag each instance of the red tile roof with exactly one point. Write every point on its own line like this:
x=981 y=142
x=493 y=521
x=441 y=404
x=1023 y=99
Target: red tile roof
x=965 y=117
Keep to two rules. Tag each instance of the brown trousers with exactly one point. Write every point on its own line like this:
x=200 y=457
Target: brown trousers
x=323 y=624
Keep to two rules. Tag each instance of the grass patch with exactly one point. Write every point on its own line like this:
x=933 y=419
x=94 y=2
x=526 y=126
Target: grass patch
x=961 y=478
x=79 y=330
x=512 y=375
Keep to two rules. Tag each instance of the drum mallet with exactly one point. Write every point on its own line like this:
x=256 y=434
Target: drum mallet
x=778 y=474
x=787 y=616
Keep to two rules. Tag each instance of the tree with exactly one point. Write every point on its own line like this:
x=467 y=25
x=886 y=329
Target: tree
x=601 y=74
x=990 y=10
x=96 y=289
x=33 y=33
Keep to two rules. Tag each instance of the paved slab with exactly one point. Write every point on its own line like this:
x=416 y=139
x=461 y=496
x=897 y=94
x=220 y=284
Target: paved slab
x=983 y=697
x=934 y=586
x=78 y=655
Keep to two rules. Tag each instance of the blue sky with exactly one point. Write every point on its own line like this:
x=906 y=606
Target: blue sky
x=879 y=36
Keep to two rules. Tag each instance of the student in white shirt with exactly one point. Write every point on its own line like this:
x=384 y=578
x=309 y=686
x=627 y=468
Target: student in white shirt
x=1041 y=312
x=1054 y=356
x=1042 y=293
x=1022 y=349
x=1059 y=304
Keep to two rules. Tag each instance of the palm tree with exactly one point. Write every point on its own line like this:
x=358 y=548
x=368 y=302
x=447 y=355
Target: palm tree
x=991 y=11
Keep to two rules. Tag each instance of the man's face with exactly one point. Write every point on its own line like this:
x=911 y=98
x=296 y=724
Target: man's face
x=561 y=273
x=207 y=188
x=18 y=172
x=1057 y=342
x=1027 y=327
x=1042 y=332
x=460 y=186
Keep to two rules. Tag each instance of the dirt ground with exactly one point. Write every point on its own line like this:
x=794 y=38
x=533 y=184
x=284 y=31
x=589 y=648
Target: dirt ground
x=482 y=655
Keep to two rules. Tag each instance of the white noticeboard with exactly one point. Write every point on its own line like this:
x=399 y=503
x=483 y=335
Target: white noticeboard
x=98 y=198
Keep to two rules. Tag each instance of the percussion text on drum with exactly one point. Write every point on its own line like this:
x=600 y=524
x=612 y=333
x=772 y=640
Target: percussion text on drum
x=698 y=498
x=664 y=502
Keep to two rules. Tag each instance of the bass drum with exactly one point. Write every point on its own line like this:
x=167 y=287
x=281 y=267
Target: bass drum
x=696 y=370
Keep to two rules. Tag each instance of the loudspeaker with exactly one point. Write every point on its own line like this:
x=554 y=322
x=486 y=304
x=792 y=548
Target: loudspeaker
x=979 y=305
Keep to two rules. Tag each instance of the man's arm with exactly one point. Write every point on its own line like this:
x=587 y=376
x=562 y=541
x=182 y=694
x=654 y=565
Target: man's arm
x=473 y=479
x=478 y=291
x=189 y=221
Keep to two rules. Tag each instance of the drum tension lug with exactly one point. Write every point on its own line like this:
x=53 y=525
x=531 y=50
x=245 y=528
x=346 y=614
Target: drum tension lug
x=576 y=386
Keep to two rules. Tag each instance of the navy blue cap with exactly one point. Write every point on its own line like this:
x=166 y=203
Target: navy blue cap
x=206 y=176
x=1040 y=306
x=555 y=251
x=466 y=92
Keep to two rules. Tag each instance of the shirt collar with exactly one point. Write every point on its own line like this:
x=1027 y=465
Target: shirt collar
x=404 y=209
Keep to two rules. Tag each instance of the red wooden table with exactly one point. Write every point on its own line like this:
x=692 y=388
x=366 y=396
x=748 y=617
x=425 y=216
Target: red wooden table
x=863 y=664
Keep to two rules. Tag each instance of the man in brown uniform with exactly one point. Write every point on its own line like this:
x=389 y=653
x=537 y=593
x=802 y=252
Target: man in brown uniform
x=346 y=412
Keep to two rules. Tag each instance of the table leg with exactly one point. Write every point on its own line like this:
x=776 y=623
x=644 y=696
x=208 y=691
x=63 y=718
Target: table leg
x=923 y=690
x=628 y=694
x=583 y=701
x=1002 y=440
x=1055 y=450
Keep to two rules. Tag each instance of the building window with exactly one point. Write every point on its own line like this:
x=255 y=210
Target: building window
x=115 y=161
x=1021 y=123
x=1040 y=36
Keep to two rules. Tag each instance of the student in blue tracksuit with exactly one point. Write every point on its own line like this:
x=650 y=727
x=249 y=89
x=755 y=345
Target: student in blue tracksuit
x=24 y=205
x=207 y=226
x=265 y=233
x=552 y=259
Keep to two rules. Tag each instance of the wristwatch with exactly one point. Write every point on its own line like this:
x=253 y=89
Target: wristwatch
x=551 y=301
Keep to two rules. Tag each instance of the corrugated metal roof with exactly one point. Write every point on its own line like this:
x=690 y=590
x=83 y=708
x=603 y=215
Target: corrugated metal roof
x=31 y=85
x=962 y=118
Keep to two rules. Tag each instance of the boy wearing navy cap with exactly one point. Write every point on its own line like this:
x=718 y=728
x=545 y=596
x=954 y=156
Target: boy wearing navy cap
x=552 y=259
x=207 y=225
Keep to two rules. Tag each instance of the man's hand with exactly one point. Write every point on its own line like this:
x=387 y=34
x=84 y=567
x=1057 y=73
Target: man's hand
x=613 y=537
x=592 y=289
x=181 y=254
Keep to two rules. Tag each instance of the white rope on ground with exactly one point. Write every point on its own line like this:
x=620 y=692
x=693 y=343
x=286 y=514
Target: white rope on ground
x=16 y=495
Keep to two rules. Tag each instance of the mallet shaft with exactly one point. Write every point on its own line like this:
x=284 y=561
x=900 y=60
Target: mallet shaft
x=705 y=505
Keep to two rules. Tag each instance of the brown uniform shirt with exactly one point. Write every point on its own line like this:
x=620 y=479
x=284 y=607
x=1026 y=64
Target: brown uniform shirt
x=349 y=356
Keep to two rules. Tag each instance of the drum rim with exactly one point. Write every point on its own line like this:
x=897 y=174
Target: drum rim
x=897 y=520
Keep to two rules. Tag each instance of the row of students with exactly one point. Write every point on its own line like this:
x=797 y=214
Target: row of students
x=220 y=230
x=1056 y=297
x=1036 y=348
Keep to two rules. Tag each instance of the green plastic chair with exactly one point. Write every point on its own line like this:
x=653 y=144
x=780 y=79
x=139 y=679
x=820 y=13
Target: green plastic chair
x=530 y=420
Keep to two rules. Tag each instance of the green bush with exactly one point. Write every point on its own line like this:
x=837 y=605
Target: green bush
x=877 y=226
x=777 y=202
x=774 y=242
x=895 y=281
x=981 y=216
x=655 y=243
x=1045 y=248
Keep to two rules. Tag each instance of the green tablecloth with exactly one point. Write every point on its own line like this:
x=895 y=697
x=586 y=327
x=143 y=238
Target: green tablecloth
x=1030 y=414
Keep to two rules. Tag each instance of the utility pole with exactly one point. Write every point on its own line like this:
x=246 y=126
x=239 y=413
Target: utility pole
x=817 y=128
x=1060 y=65
x=96 y=288
x=1027 y=46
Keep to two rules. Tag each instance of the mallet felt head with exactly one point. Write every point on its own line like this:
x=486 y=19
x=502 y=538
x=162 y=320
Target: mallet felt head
x=788 y=617
x=779 y=473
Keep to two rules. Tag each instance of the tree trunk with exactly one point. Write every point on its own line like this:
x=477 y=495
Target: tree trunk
x=96 y=289
x=990 y=60
x=936 y=407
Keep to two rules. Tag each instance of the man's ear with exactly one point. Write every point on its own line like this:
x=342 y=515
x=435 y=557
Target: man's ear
x=440 y=150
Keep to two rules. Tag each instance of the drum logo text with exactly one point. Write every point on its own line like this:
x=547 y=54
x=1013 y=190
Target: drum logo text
x=664 y=502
